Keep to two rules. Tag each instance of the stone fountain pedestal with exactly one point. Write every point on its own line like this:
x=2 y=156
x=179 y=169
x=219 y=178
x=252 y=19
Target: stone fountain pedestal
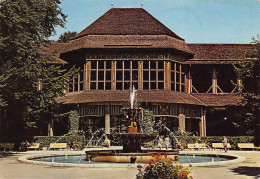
x=132 y=142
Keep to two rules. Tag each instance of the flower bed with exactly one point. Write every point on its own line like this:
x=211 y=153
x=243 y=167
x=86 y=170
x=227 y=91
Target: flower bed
x=162 y=167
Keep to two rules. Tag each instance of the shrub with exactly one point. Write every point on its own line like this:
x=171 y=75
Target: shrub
x=233 y=140
x=77 y=145
x=46 y=140
x=162 y=167
x=74 y=122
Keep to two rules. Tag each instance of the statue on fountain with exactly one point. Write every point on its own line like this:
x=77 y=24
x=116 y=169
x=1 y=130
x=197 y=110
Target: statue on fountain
x=132 y=125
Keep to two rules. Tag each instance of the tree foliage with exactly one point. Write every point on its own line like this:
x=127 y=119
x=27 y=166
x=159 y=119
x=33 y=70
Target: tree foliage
x=74 y=122
x=247 y=70
x=66 y=37
x=24 y=26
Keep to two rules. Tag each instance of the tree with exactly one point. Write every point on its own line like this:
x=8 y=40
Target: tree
x=2 y=85
x=24 y=26
x=249 y=72
x=66 y=37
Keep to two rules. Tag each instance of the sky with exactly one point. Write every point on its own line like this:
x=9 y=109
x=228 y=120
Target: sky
x=196 y=21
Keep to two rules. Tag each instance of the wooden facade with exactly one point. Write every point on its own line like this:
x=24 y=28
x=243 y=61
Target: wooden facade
x=179 y=82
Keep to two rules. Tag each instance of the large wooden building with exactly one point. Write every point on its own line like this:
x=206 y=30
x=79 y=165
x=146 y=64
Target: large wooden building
x=183 y=84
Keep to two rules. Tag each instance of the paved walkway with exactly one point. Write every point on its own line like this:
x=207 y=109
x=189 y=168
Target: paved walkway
x=10 y=168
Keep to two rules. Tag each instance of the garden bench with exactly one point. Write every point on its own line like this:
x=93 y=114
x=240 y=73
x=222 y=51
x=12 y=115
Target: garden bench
x=201 y=146
x=34 y=146
x=9 y=146
x=191 y=146
x=246 y=146
x=220 y=145
x=58 y=146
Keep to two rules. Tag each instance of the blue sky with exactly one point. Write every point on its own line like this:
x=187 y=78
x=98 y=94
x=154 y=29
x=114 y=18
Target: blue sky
x=197 y=21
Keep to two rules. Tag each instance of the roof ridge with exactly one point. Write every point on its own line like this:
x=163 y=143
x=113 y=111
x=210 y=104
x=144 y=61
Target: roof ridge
x=127 y=21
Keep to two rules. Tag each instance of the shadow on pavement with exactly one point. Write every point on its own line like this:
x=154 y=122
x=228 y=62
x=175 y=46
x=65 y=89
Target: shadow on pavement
x=6 y=154
x=248 y=171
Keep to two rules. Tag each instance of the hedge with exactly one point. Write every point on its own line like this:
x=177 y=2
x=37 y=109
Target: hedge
x=233 y=140
x=46 y=140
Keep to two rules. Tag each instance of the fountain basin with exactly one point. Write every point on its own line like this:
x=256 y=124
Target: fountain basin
x=45 y=159
x=119 y=156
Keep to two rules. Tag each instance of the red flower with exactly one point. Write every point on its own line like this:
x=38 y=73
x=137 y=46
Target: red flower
x=180 y=175
x=191 y=177
x=165 y=155
x=190 y=165
x=159 y=154
x=151 y=160
x=153 y=155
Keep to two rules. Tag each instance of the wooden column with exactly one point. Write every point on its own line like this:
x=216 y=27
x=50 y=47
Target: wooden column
x=181 y=118
x=180 y=77
x=175 y=77
x=167 y=77
x=202 y=123
x=214 y=82
x=107 y=124
x=87 y=72
x=189 y=83
x=113 y=86
x=239 y=85
x=140 y=75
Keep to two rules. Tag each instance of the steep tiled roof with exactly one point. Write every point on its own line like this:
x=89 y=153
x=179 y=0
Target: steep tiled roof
x=53 y=51
x=218 y=99
x=127 y=41
x=123 y=96
x=218 y=53
x=127 y=21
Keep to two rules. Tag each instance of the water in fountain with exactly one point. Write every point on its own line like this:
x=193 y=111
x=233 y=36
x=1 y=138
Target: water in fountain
x=101 y=130
x=132 y=97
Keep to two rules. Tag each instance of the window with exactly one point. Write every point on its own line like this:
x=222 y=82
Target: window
x=153 y=75
x=126 y=74
x=177 y=77
x=77 y=83
x=100 y=76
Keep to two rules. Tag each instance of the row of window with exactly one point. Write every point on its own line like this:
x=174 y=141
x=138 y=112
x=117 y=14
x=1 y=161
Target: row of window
x=127 y=75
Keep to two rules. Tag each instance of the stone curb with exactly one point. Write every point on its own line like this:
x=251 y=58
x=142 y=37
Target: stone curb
x=26 y=159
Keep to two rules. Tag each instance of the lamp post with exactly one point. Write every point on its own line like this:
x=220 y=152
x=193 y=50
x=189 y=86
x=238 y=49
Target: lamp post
x=257 y=107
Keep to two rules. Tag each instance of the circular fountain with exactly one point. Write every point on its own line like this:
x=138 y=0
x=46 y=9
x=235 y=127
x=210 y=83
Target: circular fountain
x=132 y=141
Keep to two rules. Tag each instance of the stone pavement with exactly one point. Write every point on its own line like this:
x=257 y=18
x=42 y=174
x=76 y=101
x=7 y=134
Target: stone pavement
x=10 y=168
